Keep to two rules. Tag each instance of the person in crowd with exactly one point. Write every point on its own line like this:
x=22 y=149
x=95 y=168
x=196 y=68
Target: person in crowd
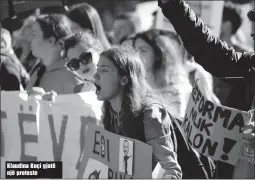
x=244 y=168
x=85 y=16
x=22 y=45
x=47 y=43
x=231 y=23
x=130 y=107
x=217 y=57
x=160 y=51
x=128 y=40
x=204 y=80
x=21 y=36
x=82 y=51
x=125 y=24
x=13 y=75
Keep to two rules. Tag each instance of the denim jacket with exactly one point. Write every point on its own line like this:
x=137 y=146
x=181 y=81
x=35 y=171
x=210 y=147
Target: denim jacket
x=156 y=132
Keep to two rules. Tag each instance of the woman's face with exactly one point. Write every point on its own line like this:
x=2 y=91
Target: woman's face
x=147 y=52
x=107 y=80
x=41 y=48
x=86 y=70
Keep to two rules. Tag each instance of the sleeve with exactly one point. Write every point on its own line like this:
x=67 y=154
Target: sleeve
x=9 y=78
x=157 y=134
x=208 y=50
x=12 y=83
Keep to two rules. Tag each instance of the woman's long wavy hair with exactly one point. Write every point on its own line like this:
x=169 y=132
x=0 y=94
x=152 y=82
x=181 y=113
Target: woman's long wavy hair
x=87 y=17
x=169 y=74
x=168 y=50
x=137 y=94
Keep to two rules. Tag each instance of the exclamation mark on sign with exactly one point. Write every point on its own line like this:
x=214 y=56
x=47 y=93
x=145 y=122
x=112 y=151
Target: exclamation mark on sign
x=228 y=145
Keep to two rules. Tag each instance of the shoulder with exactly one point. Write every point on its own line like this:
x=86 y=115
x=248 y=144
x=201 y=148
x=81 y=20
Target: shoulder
x=70 y=76
x=157 y=122
x=156 y=114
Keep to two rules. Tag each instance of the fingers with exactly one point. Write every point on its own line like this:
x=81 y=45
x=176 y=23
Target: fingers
x=39 y=93
x=249 y=132
x=250 y=136
x=50 y=96
x=36 y=91
x=248 y=127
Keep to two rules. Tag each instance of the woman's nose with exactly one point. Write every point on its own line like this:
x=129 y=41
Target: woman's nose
x=30 y=38
x=96 y=76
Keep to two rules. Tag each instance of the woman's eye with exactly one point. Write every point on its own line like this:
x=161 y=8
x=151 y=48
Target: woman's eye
x=102 y=70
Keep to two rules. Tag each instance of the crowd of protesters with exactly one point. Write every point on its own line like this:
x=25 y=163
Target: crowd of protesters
x=143 y=77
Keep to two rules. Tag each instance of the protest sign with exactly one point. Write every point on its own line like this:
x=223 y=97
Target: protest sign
x=37 y=130
x=19 y=132
x=110 y=156
x=212 y=129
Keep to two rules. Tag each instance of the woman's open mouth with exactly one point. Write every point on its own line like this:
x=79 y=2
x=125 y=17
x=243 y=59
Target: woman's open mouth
x=98 y=88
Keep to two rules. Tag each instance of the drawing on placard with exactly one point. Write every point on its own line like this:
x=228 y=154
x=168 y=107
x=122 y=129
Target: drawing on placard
x=126 y=156
x=96 y=170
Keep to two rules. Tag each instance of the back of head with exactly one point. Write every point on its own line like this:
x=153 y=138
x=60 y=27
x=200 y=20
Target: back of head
x=87 y=17
x=54 y=25
x=133 y=18
x=232 y=13
x=84 y=15
x=52 y=9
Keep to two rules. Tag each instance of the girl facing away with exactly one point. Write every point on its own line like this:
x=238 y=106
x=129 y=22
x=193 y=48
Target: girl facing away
x=85 y=16
x=132 y=109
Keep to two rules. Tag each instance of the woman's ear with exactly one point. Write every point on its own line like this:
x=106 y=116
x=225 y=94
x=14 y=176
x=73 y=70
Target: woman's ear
x=52 y=40
x=60 y=43
x=124 y=80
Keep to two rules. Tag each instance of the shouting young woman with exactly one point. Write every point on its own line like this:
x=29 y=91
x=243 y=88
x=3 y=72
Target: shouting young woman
x=131 y=109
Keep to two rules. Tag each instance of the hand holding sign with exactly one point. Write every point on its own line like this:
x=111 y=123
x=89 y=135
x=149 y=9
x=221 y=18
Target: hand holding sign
x=245 y=165
x=41 y=94
x=120 y=157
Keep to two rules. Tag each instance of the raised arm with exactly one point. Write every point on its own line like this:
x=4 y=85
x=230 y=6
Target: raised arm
x=214 y=55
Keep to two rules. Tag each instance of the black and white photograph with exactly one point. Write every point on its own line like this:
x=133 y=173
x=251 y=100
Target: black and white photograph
x=171 y=74
x=126 y=156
